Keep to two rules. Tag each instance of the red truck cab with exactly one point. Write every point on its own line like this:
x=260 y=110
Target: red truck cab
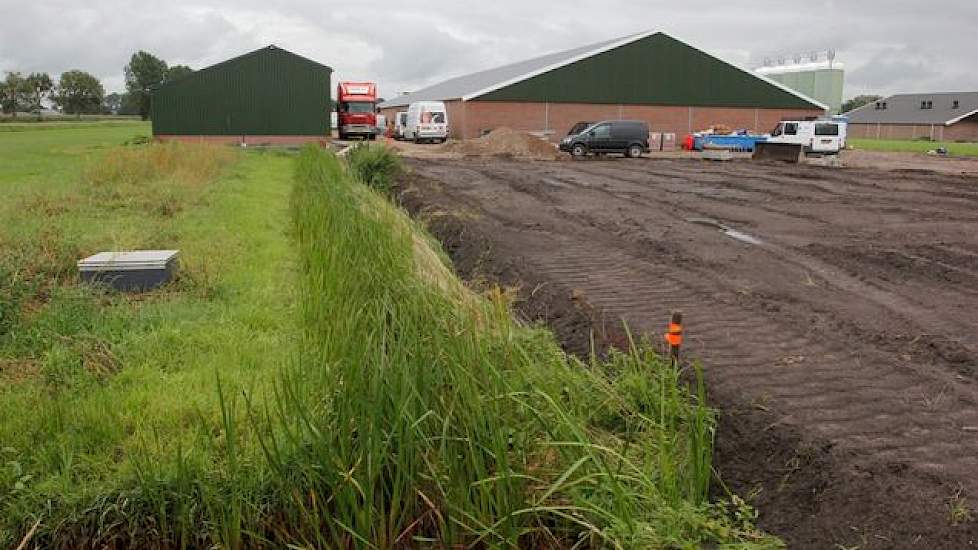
x=356 y=109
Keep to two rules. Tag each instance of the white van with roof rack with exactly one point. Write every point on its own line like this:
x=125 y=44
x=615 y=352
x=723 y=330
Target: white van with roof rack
x=827 y=137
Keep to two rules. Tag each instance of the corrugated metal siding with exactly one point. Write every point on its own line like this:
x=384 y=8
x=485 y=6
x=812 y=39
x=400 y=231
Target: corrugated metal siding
x=657 y=70
x=267 y=92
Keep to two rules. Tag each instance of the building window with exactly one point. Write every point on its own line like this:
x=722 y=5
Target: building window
x=884 y=105
x=955 y=104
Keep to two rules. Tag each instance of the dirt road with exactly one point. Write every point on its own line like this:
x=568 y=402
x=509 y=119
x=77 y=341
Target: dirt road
x=835 y=312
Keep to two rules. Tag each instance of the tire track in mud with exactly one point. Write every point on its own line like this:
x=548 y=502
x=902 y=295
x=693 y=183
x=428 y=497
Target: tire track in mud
x=852 y=283
x=824 y=391
x=877 y=407
x=736 y=179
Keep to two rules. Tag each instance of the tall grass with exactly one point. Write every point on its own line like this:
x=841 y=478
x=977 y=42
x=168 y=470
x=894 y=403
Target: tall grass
x=416 y=417
x=191 y=163
x=414 y=413
x=375 y=166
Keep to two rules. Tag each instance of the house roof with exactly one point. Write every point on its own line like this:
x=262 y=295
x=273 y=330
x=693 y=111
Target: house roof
x=477 y=84
x=906 y=109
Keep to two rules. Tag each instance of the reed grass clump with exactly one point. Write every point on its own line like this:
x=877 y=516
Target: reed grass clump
x=417 y=417
x=190 y=163
x=374 y=165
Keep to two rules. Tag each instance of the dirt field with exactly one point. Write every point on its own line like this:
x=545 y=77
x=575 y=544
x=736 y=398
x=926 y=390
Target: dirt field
x=883 y=160
x=837 y=328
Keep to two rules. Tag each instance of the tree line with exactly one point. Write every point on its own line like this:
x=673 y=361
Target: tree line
x=77 y=92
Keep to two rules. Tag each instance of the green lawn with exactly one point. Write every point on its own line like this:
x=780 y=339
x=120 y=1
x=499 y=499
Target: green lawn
x=909 y=146
x=90 y=382
x=13 y=125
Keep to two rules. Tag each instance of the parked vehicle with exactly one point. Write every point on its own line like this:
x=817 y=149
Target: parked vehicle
x=579 y=127
x=815 y=136
x=356 y=109
x=426 y=121
x=628 y=137
x=381 y=124
x=400 y=121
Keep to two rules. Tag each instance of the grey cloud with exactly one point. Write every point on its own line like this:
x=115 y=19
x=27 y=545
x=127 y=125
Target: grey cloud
x=888 y=46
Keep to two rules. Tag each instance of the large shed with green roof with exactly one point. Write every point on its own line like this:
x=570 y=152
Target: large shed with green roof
x=650 y=76
x=269 y=95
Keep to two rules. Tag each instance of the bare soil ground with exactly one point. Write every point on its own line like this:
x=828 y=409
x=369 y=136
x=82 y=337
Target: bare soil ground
x=838 y=330
x=883 y=160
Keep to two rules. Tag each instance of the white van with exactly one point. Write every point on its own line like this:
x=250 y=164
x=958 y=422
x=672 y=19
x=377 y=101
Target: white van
x=400 y=121
x=815 y=136
x=381 y=125
x=426 y=120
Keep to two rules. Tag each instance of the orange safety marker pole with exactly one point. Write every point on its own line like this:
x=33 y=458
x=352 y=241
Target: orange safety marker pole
x=675 y=335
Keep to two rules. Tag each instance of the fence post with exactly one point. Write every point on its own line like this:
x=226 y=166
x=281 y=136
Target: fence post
x=675 y=336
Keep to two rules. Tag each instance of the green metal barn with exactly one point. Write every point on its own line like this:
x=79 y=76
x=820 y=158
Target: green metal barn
x=651 y=76
x=269 y=95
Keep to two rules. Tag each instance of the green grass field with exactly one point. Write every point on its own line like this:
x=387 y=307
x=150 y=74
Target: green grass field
x=17 y=125
x=315 y=377
x=91 y=382
x=908 y=146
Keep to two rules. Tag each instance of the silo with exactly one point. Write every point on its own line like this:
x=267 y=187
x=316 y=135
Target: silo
x=818 y=76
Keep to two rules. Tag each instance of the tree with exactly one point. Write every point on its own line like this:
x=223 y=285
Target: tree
x=130 y=105
x=40 y=87
x=14 y=94
x=177 y=72
x=112 y=103
x=144 y=72
x=859 y=101
x=79 y=93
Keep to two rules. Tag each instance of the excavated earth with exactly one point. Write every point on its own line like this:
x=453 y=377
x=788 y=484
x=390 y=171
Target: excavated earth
x=835 y=313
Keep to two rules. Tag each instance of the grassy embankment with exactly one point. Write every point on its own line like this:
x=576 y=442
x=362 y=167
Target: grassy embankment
x=365 y=399
x=913 y=146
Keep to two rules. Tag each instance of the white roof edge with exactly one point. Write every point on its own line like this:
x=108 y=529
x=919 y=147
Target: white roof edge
x=758 y=76
x=562 y=63
x=960 y=118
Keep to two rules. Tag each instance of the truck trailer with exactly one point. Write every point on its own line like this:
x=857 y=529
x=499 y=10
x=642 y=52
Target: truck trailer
x=356 y=110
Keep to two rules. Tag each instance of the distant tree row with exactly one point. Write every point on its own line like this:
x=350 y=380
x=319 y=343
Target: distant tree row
x=79 y=92
x=76 y=92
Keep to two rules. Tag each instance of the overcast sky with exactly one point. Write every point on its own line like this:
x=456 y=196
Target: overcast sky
x=887 y=45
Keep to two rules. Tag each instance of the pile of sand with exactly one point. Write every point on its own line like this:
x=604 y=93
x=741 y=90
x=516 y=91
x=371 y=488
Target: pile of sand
x=507 y=142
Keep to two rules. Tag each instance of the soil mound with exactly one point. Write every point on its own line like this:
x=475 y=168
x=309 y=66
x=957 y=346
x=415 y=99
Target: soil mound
x=505 y=142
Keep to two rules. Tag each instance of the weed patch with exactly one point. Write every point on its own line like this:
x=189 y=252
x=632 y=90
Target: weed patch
x=375 y=166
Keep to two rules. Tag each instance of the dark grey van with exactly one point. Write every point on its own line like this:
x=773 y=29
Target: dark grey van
x=628 y=137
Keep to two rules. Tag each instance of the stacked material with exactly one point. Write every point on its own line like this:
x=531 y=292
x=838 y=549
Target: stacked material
x=136 y=270
x=505 y=142
x=668 y=141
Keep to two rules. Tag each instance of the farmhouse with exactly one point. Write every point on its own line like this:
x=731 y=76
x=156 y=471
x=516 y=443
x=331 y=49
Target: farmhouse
x=269 y=95
x=946 y=116
x=650 y=76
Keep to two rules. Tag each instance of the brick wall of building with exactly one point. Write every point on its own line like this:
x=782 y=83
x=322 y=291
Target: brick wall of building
x=470 y=119
x=966 y=130
x=249 y=140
